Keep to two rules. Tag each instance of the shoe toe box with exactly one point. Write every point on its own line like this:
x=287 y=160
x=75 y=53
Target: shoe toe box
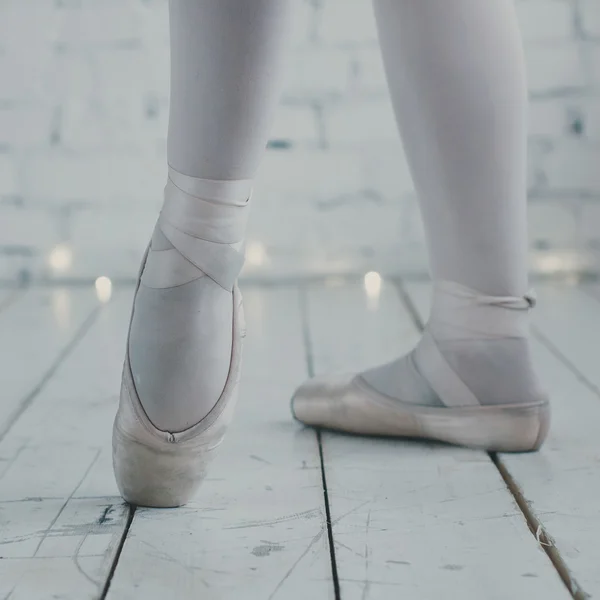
x=326 y=401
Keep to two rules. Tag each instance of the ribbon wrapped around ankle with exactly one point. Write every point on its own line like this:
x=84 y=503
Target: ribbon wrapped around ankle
x=202 y=232
x=204 y=219
x=459 y=312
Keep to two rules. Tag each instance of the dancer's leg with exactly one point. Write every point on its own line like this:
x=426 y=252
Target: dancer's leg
x=182 y=367
x=456 y=76
x=226 y=59
x=457 y=79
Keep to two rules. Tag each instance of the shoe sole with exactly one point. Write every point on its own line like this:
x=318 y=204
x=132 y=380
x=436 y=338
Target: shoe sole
x=504 y=428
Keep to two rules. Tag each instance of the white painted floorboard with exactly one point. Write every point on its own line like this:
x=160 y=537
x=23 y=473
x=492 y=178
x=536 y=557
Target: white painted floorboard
x=257 y=528
x=36 y=327
x=60 y=515
x=562 y=481
x=414 y=520
x=569 y=318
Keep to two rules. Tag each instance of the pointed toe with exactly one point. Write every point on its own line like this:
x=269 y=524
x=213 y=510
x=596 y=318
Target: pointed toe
x=162 y=469
x=317 y=401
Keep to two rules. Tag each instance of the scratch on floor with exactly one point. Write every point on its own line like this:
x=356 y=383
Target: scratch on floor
x=14 y=458
x=162 y=555
x=307 y=514
x=266 y=549
x=336 y=521
x=259 y=459
x=62 y=508
x=367 y=585
x=104 y=516
x=10 y=593
x=78 y=566
x=297 y=562
x=338 y=543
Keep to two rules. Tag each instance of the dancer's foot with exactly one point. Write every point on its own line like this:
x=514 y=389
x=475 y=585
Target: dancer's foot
x=470 y=381
x=183 y=356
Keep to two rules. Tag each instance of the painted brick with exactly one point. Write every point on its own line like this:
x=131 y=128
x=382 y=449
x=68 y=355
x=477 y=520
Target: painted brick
x=24 y=126
x=565 y=117
x=309 y=175
x=357 y=123
x=590 y=17
x=302 y=26
x=555 y=67
x=131 y=71
x=101 y=23
x=110 y=241
x=593 y=60
x=8 y=177
x=113 y=122
x=29 y=227
x=344 y=22
x=386 y=170
x=105 y=178
x=572 y=165
x=590 y=108
x=316 y=73
x=552 y=224
x=37 y=19
x=367 y=72
x=545 y=20
x=297 y=124
x=590 y=224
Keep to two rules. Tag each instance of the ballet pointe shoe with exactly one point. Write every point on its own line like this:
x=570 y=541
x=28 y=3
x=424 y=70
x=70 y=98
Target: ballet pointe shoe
x=154 y=467
x=347 y=403
x=439 y=405
x=160 y=469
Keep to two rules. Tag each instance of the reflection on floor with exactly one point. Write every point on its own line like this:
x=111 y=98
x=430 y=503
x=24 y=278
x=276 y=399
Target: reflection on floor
x=288 y=513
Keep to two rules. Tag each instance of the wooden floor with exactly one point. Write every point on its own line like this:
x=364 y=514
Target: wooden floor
x=288 y=513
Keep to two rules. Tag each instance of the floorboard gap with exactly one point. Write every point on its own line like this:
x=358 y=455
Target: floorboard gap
x=539 y=532
x=115 y=562
x=334 y=571
x=308 y=348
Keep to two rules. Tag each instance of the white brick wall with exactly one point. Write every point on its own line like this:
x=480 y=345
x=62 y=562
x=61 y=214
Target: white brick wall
x=83 y=117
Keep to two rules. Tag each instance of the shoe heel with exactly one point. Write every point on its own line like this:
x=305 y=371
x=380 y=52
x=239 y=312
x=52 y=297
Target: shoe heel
x=511 y=428
x=544 y=418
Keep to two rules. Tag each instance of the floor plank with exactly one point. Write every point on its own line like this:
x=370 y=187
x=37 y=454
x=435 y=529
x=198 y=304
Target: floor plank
x=424 y=521
x=569 y=319
x=553 y=479
x=258 y=524
x=8 y=296
x=60 y=515
x=36 y=329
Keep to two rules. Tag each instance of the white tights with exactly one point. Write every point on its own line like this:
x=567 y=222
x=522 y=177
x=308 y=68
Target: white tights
x=457 y=80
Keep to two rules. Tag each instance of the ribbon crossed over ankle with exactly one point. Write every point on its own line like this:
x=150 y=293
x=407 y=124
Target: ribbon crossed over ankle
x=459 y=314
x=202 y=233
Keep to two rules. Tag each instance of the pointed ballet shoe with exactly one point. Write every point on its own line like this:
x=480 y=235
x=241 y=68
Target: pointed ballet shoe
x=154 y=467
x=425 y=396
x=161 y=469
